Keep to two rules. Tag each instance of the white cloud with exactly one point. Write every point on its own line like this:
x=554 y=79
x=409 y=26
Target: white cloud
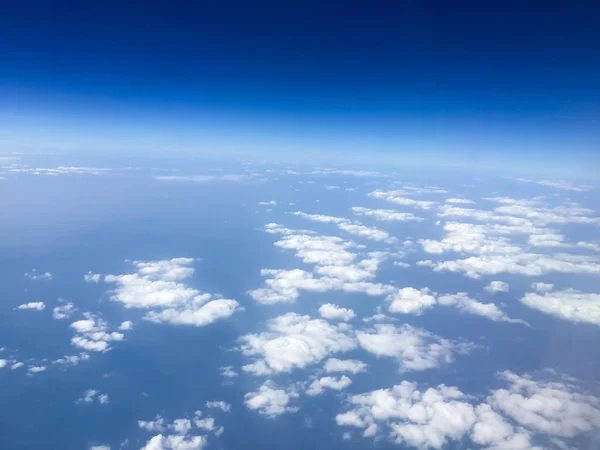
x=335 y=312
x=72 y=360
x=157 y=424
x=496 y=286
x=413 y=348
x=271 y=202
x=16 y=365
x=589 y=246
x=336 y=384
x=158 y=284
x=562 y=185
x=63 y=311
x=386 y=215
x=294 y=341
x=3 y=363
x=36 y=369
x=332 y=187
x=63 y=170
x=92 y=277
x=542 y=287
x=34 y=275
x=223 y=406
x=92 y=334
x=92 y=395
x=509 y=418
x=202 y=178
x=37 y=306
x=100 y=447
x=333 y=365
x=571 y=305
x=353 y=173
x=270 y=401
x=175 y=442
x=462 y=201
x=410 y=301
x=398 y=197
x=228 y=372
x=126 y=326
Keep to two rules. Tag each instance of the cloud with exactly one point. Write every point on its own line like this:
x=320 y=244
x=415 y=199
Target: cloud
x=34 y=275
x=158 y=284
x=157 y=424
x=386 y=215
x=223 y=406
x=72 y=360
x=179 y=431
x=3 y=363
x=509 y=418
x=62 y=170
x=413 y=348
x=92 y=334
x=63 y=311
x=92 y=395
x=462 y=201
x=294 y=341
x=496 y=286
x=100 y=447
x=37 y=306
x=562 y=185
x=318 y=386
x=542 y=287
x=228 y=372
x=335 y=312
x=92 y=277
x=353 y=173
x=203 y=178
x=175 y=442
x=271 y=202
x=270 y=401
x=399 y=197
x=36 y=369
x=344 y=365
x=15 y=365
x=572 y=305
x=126 y=326
x=410 y=301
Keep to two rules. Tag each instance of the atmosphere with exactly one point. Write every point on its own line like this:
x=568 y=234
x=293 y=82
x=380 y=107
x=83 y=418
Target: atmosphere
x=467 y=81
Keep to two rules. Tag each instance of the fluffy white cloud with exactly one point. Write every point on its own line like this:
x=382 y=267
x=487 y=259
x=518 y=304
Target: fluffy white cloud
x=126 y=326
x=335 y=312
x=228 y=372
x=37 y=306
x=223 y=406
x=399 y=197
x=158 y=284
x=92 y=395
x=92 y=334
x=462 y=201
x=318 y=386
x=344 y=365
x=63 y=311
x=270 y=202
x=386 y=215
x=36 y=369
x=92 y=277
x=353 y=173
x=412 y=301
x=72 y=360
x=270 y=401
x=15 y=365
x=99 y=447
x=175 y=442
x=496 y=286
x=178 y=434
x=571 y=305
x=562 y=185
x=413 y=348
x=157 y=424
x=294 y=341
x=34 y=275
x=509 y=418
x=62 y=170
x=3 y=363
x=542 y=287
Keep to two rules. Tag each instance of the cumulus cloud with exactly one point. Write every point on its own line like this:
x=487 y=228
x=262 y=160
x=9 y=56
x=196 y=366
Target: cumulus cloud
x=335 y=312
x=413 y=348
x=385 y=215
x=509 y=418
x=572 y=305
x=203 y=178
x=3 y=363
x=126 y=326
x=36 y=369
x=270 y=202
x=175 y=442
x=496 y=286
x=72 y=360
x=333 y=365
x=92 y=277
x=228 y=372
x=36 y=306
x=92 y=334
x=34 y=275
x=178 y=435
x=542 y=287
x=318 y=386
x=270 y=401
x=399 y=197
x=14 y=366
x=63 y=311
x=294 y=341
x=223 y=406
x=462 y=201
x=158 y=285
x=92 y=396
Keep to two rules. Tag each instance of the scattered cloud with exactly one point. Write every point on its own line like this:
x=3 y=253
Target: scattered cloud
x=203 y=178
x=385 y=215
x=62 y=170
x=270 y=401
x=572 y=305
x=335 y=312
x=36 y=369
x=223 y=406
x=562 y=185
x=294 y=341
x=333 y=365
x=318 y=386
x=496 y=286
x=92 y=395
x=92 y=277
x=72 y=360
x=63 y=311
x=37 y=306
x=34 y=275
x=126 y=326
x=459 y=201
x=228 y=372
x=92 y=334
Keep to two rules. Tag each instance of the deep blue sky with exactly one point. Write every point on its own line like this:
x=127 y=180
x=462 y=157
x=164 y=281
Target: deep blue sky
x=439 y=78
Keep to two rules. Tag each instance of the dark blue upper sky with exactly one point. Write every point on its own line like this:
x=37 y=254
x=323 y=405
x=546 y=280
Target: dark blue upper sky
x=395 y=77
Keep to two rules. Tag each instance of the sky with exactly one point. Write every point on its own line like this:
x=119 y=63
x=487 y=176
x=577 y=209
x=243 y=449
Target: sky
x=463 y=82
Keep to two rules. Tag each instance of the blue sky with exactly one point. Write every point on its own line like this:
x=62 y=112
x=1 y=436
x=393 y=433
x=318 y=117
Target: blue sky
x=471 y=82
